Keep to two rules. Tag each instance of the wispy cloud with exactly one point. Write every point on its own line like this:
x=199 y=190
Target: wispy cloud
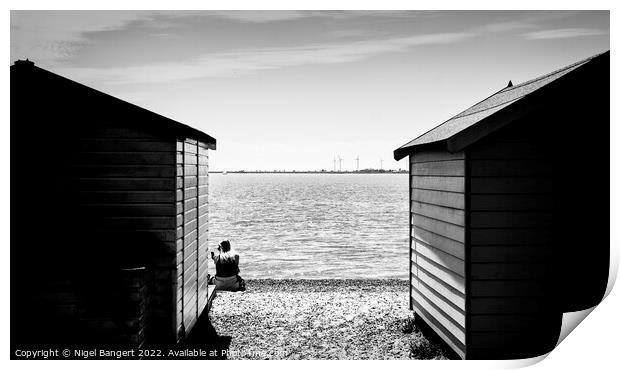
x=563 y=33
x=251 y=60
x=53 y=35
x=263 y=16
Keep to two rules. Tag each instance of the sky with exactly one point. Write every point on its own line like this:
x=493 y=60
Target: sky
x=292 y=90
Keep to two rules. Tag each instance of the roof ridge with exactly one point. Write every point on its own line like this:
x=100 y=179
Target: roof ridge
x=583 y=61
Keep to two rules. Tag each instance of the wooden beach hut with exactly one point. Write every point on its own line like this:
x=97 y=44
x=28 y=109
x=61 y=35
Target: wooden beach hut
x=509 y=213
x=108 y=217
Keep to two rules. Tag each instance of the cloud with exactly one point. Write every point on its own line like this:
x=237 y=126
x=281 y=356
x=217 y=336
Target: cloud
x=263 y=16
x=563 y=33
x=505 y=26
x=251 y=60
x=52 y=35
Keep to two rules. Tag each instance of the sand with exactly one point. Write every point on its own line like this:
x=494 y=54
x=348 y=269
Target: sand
x=320 y=319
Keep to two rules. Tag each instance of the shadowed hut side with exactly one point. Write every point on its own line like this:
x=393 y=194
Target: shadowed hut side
x=109 y=217
x=509 y=212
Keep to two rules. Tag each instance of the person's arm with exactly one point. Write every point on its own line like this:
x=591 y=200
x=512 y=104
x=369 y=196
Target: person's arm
x=213 y=256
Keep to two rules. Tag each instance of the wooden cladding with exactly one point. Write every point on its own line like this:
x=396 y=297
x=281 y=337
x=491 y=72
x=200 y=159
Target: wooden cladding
x=510 y=245
x=438 y=243
x=192 y=225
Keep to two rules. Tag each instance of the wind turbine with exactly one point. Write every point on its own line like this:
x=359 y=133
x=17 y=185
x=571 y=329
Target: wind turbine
x=340 y=163
x=358 y=162
x=381 y=160
x=334 y=163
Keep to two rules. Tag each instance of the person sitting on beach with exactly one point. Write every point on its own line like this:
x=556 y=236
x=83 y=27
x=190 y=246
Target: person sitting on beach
x=227 y=269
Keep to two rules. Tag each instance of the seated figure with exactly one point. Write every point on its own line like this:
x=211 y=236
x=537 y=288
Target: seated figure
x=226 y=269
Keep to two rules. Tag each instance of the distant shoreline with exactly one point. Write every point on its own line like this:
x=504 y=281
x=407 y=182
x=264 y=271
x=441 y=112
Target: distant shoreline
x=363 y=172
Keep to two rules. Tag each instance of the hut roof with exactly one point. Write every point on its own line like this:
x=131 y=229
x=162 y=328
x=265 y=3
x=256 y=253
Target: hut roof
x=34 y=78
x=484 y=111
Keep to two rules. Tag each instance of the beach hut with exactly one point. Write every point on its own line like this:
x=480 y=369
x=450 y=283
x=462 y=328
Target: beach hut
x=108 y=217
x=509 y=213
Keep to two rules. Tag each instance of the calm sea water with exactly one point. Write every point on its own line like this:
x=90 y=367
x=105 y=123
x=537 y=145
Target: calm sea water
x=312 y=225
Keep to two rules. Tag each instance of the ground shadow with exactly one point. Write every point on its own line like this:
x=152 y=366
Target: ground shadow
x=204 y=336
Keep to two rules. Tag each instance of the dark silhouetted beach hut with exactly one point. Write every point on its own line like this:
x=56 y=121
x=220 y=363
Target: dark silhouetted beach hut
x=108 y=217
x=509 y=213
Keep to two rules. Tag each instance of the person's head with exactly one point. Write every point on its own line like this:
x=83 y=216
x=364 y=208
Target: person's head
x=224 y=246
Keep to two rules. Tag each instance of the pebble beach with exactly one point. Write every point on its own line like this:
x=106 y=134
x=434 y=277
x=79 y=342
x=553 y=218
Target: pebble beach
x=321 y=319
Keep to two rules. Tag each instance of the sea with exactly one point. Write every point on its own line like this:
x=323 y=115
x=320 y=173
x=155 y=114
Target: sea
x=312 y=226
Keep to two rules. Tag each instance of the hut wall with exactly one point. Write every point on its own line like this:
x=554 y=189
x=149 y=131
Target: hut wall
x=126 y=178
x=108 y=205
x=438 y=243
x=191 y=234
x=510 y=219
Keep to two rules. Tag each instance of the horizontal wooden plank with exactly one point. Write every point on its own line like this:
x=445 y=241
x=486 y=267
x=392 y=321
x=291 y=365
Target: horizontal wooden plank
x=189 y=254
x=164 y=236
x=190 y=203
x=190 y=148
x=203 y=199
x=131 y=171
x=95 y=145
x=443 y=183
x=448 y=325
x=124 y=132
x=449 y=293
x=506 y=305
x=203 y=151
x=190 y=214
x=189 y=181
x=449 y=246
x=510 y=236
x=522 y=219
x=444 y=168
x=190 y=226
x=114 y=184
x=124 y=196
x=110 y=158
x=503 y=253
x=506 y=150
x=191 y=236
x=511 y=202
x=129 y=210
x=516 y=168
x=186 y=193
x=441 y=258
x=190 y=283
x=443 y=306
x=203 y=189
x=190 y=159
x=442 y=228
x=451 y=215
x=435 y=156
x=440 y=198
x=144 y=223
x=510 y=185
x=507 y=271
x=203 y=220
x=445 y=334
x=500 y=323
x=500 y=340
x=203 y=210
x=506 y=288
x=440 y=273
